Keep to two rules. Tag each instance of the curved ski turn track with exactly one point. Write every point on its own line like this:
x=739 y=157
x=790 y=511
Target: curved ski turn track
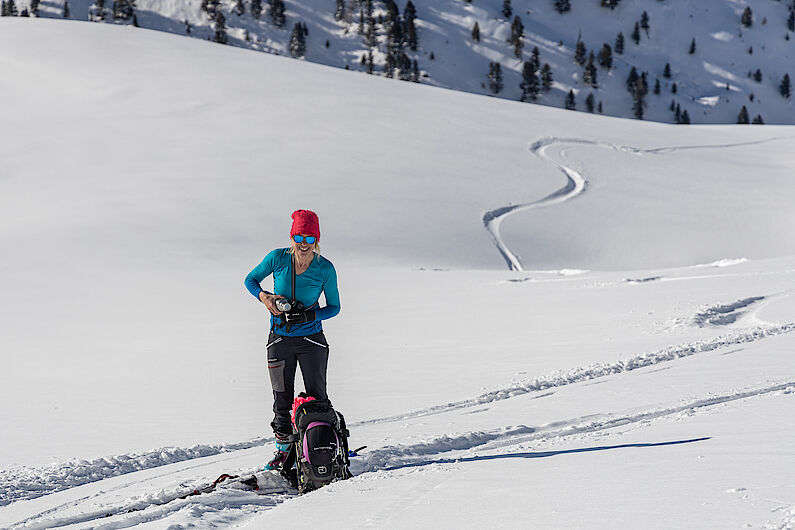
x=576 y=183
x=150 y=487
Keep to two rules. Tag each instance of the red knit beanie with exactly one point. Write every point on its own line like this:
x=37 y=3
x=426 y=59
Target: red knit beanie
x=305 y=222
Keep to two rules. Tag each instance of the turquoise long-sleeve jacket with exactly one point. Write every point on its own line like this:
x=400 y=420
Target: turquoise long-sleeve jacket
x=320 y=277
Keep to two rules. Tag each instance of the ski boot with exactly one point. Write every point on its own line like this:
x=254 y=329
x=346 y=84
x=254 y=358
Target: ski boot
x=282 y=450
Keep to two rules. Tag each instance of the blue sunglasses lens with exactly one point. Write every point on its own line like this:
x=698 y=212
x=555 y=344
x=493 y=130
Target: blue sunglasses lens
x=309 y=239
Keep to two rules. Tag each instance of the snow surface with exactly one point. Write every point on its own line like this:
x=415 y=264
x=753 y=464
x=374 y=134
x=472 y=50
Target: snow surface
x=712 y=85
x=550 y=319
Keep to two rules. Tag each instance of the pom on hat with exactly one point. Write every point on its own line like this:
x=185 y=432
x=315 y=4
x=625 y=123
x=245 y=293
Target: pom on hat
x=305 y=222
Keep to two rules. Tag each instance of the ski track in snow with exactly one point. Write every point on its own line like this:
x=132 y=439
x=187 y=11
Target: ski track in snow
x=576 y=183
x=597 y=370
x=723 y=315
x=28 y=483
x=155 y=507
x=400 y=456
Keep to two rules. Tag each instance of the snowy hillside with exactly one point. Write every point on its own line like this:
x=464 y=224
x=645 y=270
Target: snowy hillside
x=549 y=319
x=733 y=65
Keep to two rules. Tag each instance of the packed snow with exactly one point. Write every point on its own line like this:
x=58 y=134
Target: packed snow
x=549 y=319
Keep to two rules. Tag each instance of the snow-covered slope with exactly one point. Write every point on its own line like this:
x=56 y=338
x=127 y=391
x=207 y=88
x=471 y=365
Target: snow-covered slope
x=636 y=373
x=712 y=84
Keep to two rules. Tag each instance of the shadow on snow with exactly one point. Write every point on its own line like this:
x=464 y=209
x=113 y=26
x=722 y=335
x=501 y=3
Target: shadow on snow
x=541 y=454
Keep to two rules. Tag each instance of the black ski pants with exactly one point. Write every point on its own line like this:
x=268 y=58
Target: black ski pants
x=284 y=355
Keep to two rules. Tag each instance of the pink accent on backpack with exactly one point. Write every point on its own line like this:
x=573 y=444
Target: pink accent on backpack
x=297 y=402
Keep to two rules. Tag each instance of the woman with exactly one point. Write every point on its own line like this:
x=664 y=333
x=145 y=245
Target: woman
x=296 y=337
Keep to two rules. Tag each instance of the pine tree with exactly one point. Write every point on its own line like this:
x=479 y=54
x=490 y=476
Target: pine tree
x=620 y=43
x=631 y=79
x=758 y=120
x=495 y=77
x=411 y=35
x=673 y=88
x=370 y=62
x=785 y=88
x=644 y=22
x=65 y=12
x=571 y=103
x=791 y=20
x=390 y=63
x=3 y=9
x=589 y=74
x=589 y=103
x=123 y=9
x=747 y=18
x=404 y=66
x=219 y=28
x=685 y=118
x=667 y=71
x=256 y=9
x=507 y=10
x=297 y=44
x=678 y=114
x=562 y=6
x=606 y=56
x=638 y=102
x=34 y=7
x=580 y=53
x=612 y=4
x=211 y=7
x=415 y=72
x=476 y=32
x=97 y=11
x=277 y=9
x=240 y=8
x=529 y=85
x=339 y=13
x=369 y=32
x=758 y=75
x=534 y=57
x=546 y=77
x=599 y=107
x=742 y=118
x=656 y=86
x=517 y=36
x=394 y=29
x=636 y=33
x=11 y=6
x=692 y=46
x=409 y=12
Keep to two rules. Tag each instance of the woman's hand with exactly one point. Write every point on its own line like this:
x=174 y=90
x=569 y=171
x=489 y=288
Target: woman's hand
x=270 y=302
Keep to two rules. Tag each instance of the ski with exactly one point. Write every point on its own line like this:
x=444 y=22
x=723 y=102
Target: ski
x=246 y=483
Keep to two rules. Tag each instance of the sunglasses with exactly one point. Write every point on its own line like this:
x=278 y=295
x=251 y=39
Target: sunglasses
x=300 y=239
